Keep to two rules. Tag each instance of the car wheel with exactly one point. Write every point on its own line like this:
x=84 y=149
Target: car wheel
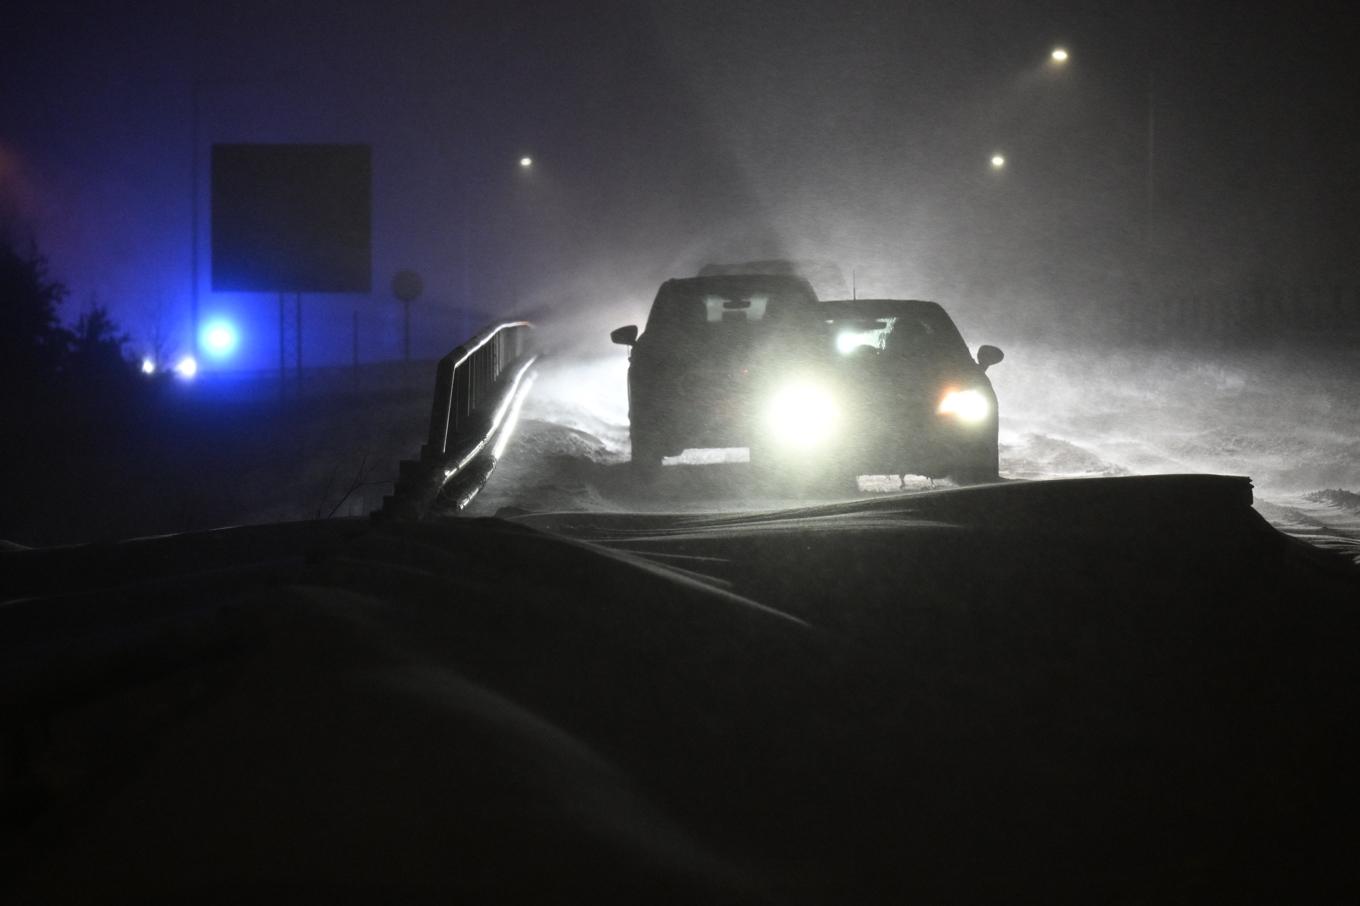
x=974 y=475
x=647 y=454
x=979 y=469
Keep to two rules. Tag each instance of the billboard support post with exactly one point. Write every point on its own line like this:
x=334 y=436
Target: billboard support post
x=283 y=352
x=297 y=341
x=406 y=331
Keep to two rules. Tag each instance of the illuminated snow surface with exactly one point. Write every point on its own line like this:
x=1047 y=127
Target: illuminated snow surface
x=1289 y=421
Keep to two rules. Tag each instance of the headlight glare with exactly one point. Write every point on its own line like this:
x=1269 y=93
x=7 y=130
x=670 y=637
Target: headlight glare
x=968 y=406
x=802 y=414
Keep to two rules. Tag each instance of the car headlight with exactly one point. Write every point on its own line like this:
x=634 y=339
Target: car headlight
x=802 y=414
x=968 y=406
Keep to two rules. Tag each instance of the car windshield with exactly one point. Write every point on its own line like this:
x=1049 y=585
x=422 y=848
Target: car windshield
x=726 y=306
x=903 y=333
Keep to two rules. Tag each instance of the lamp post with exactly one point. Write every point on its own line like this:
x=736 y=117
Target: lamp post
x=1058 y=59
x=526 y=165
x=1151 y=160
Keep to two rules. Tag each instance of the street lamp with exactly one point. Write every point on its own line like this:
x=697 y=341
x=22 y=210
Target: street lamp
x=1059 y=57
x=526 y=164
x=998 y=161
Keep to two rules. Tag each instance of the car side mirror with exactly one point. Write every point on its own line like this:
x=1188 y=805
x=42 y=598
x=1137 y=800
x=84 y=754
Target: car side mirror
x=988 y=356
x=625 y=336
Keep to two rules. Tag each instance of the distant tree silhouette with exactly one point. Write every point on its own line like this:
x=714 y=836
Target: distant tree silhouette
x=48 y=372
x=95 y=364
x=68 y=398
x=33 y=344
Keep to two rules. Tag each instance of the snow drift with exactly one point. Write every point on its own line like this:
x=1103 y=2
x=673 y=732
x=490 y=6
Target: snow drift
x=1074 y=691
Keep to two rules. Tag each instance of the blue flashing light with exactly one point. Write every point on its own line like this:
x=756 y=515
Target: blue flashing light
x=220 y=339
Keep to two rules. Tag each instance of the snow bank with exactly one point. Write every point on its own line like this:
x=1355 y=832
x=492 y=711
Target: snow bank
x=1067 y=691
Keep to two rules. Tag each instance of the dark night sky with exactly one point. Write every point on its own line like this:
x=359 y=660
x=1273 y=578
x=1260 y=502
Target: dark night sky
x=667 y=134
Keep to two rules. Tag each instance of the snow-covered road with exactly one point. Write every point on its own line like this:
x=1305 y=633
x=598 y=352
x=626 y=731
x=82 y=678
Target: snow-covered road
x=1290 y=421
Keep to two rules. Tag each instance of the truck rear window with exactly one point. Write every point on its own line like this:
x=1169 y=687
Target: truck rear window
x=735 y=308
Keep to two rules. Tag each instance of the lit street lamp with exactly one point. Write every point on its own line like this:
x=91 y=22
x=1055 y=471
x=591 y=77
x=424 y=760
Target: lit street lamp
x=998 y=161
x=1059 y=57
x=526 y=164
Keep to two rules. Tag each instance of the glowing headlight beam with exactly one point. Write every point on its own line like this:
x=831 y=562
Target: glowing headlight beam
x=969 y=406
x=148 y=366
x=187 y=367
x=803 y=415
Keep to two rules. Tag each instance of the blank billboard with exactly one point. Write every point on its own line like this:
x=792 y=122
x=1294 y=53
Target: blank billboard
x=292 y=218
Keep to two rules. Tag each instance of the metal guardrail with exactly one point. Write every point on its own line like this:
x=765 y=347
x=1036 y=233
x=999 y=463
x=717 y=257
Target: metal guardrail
x=468 y=376
x=476 y=389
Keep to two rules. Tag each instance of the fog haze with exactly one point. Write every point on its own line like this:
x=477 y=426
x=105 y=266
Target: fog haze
x=667 y=135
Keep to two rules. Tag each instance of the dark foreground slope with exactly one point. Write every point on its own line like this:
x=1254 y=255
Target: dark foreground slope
x=1121 y=690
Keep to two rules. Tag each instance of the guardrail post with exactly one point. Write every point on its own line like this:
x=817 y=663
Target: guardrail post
x=462 y=401
x=441 y=413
